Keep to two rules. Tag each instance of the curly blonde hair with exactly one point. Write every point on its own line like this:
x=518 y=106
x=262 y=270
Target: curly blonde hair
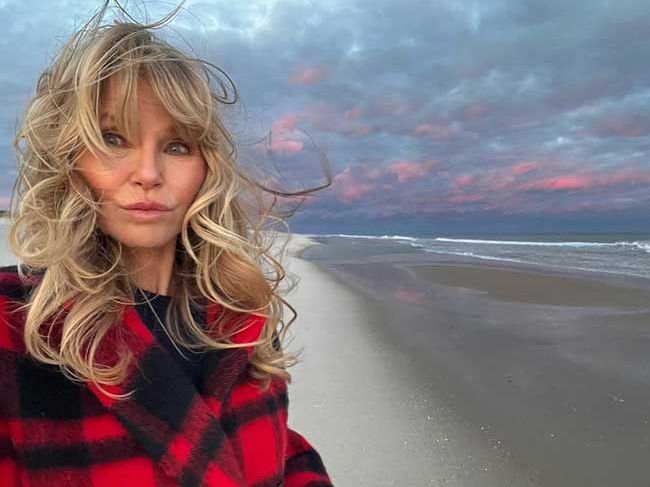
x=223 y=255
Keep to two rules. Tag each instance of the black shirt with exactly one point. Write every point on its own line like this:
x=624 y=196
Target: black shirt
x=191 y=363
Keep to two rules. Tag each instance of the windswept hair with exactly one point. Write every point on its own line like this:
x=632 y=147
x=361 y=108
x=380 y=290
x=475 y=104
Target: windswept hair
x=223 y=254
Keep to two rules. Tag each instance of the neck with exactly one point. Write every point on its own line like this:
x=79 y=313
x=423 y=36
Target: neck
x=151 y=268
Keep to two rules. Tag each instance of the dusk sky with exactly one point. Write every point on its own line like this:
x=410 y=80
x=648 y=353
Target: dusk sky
x=436 y=116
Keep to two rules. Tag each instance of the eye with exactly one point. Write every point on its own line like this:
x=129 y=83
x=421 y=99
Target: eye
x=179 y=148
x=112 y=139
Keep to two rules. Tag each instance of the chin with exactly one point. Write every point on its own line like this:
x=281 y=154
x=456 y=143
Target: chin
x=147 y=237
x=148 y=243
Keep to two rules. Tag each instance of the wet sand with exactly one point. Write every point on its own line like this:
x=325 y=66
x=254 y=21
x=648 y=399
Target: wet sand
x=527 y=376
x=360 y=399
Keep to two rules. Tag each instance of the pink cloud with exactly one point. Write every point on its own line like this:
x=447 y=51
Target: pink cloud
x=286 y=122
x=524 y=167
x=464 y=180
x=308 y=76
x=587 y=181
x=410 y=170
x=435 y=131
x=286 y=147
x=353 y=113
x=349 y=188
x=375 y=173
x=568 y=182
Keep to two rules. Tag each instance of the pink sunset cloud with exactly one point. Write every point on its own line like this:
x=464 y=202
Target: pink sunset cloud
x=410 y=170
x=568 y=182
x=286 y=147
x=502 y=188
x=349 y=188
x=288 y=121
x=524 y=167
x=375 y=173
x=435 y=131
x=308 y=76
x=587 y=181
x=464 y=180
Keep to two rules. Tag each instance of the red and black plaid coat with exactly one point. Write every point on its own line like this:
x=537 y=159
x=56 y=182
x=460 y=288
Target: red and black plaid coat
x=55 y=432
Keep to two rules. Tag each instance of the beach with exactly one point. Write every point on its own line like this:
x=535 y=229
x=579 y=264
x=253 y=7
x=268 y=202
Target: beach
x=422 y=369
x=427 y=370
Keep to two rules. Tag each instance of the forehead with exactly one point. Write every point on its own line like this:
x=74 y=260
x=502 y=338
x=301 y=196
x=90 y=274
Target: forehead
x=114 y=104
x=130 y=102
x=113 y=93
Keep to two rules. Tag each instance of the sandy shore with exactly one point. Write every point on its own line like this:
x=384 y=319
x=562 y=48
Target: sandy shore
x=422 y=372
x=358 y=400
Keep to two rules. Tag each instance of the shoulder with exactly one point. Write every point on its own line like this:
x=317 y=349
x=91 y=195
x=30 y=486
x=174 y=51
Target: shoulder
x=14 y=291
x=12 y=284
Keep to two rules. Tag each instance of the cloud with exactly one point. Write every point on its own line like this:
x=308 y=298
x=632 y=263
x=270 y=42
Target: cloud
x=410 y=170
x=308 y=76
x=349 y=188
x=520 y=124
x=285 y=147
x=435 y=130
x=588 y=181
x=524 y=167
x=286 y=122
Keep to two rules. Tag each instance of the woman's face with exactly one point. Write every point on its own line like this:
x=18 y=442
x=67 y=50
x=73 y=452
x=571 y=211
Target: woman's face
x=160 y=168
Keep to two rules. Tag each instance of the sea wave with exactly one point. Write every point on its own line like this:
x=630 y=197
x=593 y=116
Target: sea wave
x=380 y=237
x=639 y=244
x=635 y=244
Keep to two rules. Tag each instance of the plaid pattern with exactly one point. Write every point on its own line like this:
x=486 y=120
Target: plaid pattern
x=56 y=432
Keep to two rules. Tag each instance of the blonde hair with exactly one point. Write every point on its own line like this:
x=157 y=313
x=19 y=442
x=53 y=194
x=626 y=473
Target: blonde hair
x=222 y=254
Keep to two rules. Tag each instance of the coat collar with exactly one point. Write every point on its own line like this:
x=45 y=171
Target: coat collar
x=182 y=429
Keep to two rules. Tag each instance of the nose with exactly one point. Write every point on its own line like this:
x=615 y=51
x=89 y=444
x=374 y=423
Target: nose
x=147 y=166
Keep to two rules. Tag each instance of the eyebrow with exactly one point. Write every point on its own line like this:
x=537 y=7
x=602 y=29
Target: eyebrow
x=105 y=116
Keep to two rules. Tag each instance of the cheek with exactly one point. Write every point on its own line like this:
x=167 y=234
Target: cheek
x=192 y=182
x=95 y=175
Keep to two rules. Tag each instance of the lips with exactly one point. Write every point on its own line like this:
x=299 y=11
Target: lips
x=147 y=206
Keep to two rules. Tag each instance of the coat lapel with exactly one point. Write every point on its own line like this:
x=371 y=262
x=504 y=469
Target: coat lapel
x=180 y=428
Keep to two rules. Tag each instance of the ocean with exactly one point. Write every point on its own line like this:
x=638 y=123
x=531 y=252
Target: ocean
x=618 y=253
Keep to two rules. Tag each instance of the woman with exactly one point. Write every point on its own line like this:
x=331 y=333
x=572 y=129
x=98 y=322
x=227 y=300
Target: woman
x=138 y=340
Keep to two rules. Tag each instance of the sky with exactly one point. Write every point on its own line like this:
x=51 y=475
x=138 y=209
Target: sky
x=435 y=116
